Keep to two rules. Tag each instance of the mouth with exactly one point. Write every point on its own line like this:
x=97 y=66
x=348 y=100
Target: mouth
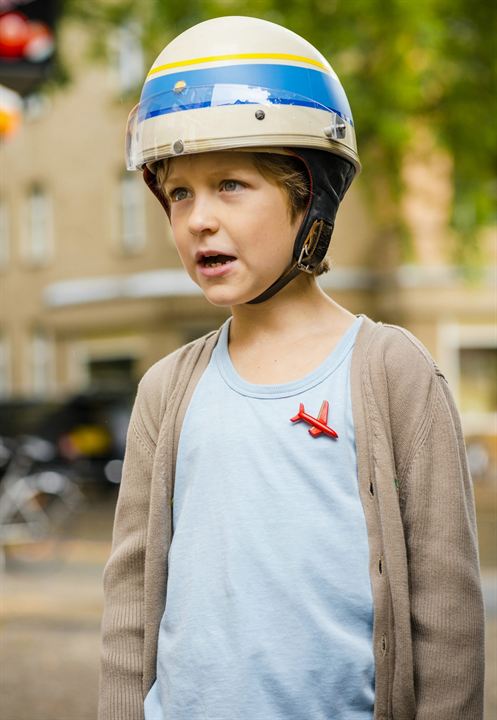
x=208 y=260
x=212 y=264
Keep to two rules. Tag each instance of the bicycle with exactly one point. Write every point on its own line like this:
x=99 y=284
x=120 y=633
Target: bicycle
x=36 y=499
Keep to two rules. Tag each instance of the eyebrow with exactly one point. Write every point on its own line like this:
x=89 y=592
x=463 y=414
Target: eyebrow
x=172 y=179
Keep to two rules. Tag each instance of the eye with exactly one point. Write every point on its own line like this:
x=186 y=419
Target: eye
x=231 y=186
x=178 y=194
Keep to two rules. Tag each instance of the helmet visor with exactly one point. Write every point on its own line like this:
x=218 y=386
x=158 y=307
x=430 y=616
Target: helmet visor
x=225 y=116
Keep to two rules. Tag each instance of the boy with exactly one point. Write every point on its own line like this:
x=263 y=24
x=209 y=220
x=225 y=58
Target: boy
x=295 y=534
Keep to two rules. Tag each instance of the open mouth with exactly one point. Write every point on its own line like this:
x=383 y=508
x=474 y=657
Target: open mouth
x=212 y=261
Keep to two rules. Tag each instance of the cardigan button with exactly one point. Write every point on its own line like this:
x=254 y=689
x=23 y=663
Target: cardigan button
x=384 y=645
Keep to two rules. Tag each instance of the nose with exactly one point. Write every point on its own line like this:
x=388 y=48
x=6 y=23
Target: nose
x=203 y=217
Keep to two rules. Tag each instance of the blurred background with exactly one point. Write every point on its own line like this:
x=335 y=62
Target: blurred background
x=92 y=292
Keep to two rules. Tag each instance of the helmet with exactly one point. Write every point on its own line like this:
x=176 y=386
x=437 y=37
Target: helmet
x=245 y=83
x=239 y=82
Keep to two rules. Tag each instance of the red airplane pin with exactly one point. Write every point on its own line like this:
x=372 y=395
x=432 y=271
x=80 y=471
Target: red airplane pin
x=319 y=424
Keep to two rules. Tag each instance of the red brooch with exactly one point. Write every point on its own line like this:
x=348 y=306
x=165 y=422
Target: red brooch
x=319 y=424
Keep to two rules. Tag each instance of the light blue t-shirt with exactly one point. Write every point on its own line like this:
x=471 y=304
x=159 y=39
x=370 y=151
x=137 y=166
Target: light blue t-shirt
x=269 y=612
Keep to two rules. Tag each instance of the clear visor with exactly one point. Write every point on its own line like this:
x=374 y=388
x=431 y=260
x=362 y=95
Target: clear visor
x=222 y=116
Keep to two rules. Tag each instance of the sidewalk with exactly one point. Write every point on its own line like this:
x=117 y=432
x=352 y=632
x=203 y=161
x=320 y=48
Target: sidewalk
x=51 y=606
x=50 y=627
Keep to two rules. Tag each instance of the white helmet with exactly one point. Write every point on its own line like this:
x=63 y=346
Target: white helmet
x=239 y=82
x=245 y=83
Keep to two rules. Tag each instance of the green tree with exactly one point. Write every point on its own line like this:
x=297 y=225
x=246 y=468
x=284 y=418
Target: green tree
x=429 y=63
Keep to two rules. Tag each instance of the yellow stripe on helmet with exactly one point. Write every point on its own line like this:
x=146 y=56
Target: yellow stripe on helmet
x=241 y=56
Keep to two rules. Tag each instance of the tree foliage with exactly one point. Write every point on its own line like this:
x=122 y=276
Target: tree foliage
x=404 y=65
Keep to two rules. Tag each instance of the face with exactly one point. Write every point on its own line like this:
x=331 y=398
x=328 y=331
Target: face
x=231 y=225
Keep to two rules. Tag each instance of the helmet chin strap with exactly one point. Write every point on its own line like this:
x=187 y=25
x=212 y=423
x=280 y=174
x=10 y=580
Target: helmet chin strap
x=311 y=254
x=280 y=283
x=329 y=179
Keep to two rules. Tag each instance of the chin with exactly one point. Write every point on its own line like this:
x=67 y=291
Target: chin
x=228 y=297
x=226 y=300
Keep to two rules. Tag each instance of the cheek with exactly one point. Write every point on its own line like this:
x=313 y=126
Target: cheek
x=184 y=254
x=278 y=233
x=178 y=237
x=275 y=215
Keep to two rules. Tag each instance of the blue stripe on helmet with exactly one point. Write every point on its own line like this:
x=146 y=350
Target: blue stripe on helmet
x=154 y=112
x=287 y=84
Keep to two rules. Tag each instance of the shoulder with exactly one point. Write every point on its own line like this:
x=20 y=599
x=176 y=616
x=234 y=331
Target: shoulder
x=396 y=354
x=158 y=375
x=169 y=374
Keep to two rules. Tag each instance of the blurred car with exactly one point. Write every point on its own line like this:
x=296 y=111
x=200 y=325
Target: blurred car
x=88 y=430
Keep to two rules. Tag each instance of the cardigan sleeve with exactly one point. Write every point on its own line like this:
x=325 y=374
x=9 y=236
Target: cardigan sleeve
x=447 y=617
x=121 y=693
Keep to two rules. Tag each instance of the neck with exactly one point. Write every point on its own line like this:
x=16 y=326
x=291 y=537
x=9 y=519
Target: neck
x=299 y=308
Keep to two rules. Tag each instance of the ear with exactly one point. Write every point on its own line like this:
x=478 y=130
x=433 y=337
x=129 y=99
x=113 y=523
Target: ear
x=151 y=181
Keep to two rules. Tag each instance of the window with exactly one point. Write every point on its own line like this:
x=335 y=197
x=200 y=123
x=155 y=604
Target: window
x=112 y=374
x=109 y=363
x=478 y=379
x=4 y=235
x=41 y=361
x=478 y=403
x=38 y=231
x=132 y=213
x=130 y=64
x=5 y=379
x=468 y=357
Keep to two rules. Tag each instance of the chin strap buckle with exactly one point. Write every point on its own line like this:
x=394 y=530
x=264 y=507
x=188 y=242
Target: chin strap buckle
x=309 y=247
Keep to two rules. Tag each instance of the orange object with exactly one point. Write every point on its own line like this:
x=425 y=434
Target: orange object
x=10 y=112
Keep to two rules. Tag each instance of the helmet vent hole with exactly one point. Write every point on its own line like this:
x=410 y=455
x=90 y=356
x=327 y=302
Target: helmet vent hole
x=260 y=114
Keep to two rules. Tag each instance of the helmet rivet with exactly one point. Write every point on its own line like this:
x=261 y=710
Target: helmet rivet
x=178 y=147
x=260 y=114
x=180 y=86
x=336 y=131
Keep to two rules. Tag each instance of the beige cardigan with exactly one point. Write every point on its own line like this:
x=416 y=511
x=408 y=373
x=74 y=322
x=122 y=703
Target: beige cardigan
x=418 y=503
